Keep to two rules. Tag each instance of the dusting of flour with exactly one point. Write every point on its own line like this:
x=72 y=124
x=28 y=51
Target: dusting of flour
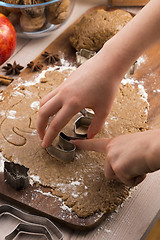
x=65 y=65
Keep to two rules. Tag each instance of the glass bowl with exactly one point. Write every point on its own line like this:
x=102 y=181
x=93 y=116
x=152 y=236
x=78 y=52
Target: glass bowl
x=36 y=18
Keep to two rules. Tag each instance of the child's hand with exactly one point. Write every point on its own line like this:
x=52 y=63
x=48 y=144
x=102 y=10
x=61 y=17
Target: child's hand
x=89 y=86
x=128 y=157
x=95 y=83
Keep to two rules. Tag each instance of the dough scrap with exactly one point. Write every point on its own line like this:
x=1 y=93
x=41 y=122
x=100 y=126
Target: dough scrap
x=81 y=183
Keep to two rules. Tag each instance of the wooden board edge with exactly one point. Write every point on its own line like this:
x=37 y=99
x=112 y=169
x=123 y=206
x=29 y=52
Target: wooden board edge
x=32 y=209
x=128 y=3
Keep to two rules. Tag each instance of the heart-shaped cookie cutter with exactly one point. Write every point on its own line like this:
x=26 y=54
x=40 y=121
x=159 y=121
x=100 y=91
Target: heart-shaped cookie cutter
x=65 y=150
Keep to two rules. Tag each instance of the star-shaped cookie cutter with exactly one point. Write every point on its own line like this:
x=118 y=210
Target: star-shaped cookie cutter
x=65 y=150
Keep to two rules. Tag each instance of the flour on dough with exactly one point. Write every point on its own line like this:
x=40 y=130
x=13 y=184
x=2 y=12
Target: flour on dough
x=81 y=183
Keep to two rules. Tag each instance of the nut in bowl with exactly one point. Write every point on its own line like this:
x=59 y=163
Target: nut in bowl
x=36 y=18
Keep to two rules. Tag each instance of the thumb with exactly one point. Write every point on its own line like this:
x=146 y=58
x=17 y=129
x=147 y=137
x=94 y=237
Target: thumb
x=97 y=144
x=97 y=124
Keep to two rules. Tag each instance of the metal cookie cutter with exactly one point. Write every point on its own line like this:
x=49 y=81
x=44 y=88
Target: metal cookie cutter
x=65 y=150
x=16 y=175
x=81 y=126
x=132 y=70
x=30 y=229
x=30 y=224
x=83 y=55
x=87 y=113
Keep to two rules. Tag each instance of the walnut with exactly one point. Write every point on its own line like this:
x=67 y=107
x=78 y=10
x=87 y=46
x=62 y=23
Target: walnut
x=34 y=12
x=31 y=24
x=12 y=1
x=57 y=12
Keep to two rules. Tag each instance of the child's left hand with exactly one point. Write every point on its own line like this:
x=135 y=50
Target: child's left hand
x=128 y=157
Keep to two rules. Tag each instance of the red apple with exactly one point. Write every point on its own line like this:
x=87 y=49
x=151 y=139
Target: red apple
x=8 y=38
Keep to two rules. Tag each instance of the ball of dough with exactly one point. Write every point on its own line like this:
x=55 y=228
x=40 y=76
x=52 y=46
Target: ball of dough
x=95 y=28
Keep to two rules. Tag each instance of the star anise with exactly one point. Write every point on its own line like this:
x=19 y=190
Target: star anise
x=50 y=58
x=35 y=66
x=13 y=69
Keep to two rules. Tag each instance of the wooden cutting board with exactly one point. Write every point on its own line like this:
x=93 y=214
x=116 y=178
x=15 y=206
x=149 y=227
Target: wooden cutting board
x=32 y=199
x=128 y=3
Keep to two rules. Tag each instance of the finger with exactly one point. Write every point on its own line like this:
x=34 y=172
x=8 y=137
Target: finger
x=97 y=124
x=58 y=122
x=131 y=182
x=98 y=144
x=48 y=97
x=108 y=171
x=139 y=179
x=127 y=182
x=47 y=110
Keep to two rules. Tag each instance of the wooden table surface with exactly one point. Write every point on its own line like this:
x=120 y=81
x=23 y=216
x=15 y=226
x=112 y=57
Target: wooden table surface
x=131 y=220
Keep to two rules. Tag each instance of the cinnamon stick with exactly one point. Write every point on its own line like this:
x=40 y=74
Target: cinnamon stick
x=4 y=80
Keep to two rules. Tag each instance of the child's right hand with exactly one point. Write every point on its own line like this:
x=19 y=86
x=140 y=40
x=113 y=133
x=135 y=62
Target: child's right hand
x=94 y=85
